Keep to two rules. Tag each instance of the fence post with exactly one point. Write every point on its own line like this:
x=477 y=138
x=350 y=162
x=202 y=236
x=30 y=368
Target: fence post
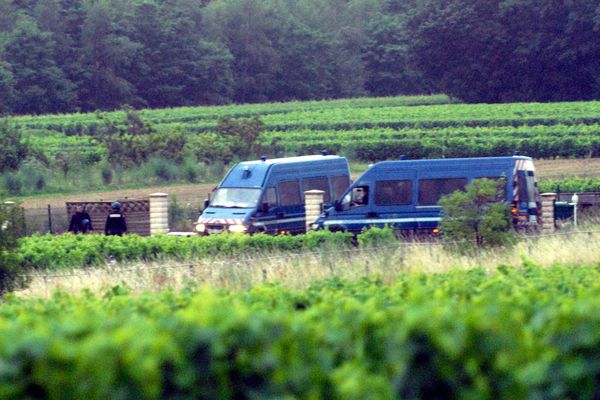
x=548 y=200
x=49 y=219
x=313 y=205
x=159 y=213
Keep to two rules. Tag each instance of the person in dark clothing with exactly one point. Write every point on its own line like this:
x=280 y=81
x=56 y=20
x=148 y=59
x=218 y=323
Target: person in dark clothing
x=115 y=222
x=80 y=221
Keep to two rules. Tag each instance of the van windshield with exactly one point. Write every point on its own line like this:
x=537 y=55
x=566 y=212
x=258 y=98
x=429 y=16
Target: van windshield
x=235 y=198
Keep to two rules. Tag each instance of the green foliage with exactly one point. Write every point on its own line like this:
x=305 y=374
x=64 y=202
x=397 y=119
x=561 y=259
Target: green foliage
x=70 y=251
x=241 y=135
x=12 y=226
x=493 y=51
x=475 y=218
x=516 y=333
x=570 y=185
x=14 y=148
x=378 y=237
x=135 y=141
x=13 y=183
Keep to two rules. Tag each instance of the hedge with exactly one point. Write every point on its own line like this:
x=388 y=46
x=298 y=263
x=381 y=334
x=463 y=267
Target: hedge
x=70 y=251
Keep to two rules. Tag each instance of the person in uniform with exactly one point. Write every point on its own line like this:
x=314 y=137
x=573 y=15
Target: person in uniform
x=80 y=221
x=115 y=222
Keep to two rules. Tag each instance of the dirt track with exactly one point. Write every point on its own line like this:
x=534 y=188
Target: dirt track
x=196 y=193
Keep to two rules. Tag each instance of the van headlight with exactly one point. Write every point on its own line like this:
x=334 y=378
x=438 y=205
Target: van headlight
x=237 y=228
x=201 y=228
x=315 y=226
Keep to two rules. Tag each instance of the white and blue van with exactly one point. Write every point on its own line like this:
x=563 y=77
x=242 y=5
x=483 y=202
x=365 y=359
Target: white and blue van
x=404 y=194
x=267 y=195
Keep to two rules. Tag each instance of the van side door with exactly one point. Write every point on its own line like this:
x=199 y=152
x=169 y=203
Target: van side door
x=393 y=201
x=266 y=220
x=430 y=190
x=289 y=212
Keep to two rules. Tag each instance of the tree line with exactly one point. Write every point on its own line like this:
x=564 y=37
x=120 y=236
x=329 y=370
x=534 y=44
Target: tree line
x=83 y=55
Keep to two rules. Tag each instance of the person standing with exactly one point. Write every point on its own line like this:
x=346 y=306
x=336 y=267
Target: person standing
x=115 y=222
x=80 y=221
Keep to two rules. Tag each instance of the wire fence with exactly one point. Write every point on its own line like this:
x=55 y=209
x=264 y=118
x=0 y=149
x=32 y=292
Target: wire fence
x=46 y=220
x=349 y=253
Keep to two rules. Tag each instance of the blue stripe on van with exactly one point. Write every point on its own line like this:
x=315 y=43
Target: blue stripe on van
x=380 y=220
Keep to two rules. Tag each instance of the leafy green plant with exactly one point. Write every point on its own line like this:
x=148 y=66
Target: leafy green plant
x=527 y=332
x=15 y=148
x=12 y=226
x=475 y=218
x=241 y=134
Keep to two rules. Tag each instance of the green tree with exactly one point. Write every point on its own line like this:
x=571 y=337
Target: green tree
x=508 y=50
x=63 y=19
x=39 y=85
x=108 y=55
x=176 y=66
x=476 y=217
x=246 y=27
x=387 y=62
x=7 y=93
x=14 y=148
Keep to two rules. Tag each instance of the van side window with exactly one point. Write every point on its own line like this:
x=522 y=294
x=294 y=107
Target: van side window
x=430 y=190
x=357 y=197
x=392 y=193
x=318 y=183
x=270 y=197
x=289 y=193
x=339 y=184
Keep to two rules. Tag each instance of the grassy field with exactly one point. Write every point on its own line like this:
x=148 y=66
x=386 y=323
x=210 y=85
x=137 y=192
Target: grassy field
x=298 y=270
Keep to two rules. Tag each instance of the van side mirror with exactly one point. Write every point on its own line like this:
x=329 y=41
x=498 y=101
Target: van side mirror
x=337 y=205
x=206 y=202
x=264 y=207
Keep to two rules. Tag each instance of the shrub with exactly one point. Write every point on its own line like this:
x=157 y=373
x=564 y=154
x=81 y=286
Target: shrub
x=107 y=175
x=14 y=149
x=474 y=218
x=164 y=170
x=14 y=183
x=40 y=182
x=242 y=134
x=12 y=226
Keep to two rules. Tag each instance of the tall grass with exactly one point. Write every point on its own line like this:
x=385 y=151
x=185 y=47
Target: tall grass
x=35 y=178
x=297 y=270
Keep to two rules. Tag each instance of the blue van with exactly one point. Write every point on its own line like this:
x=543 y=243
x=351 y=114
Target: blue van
x=268 y=195
x=404 y=194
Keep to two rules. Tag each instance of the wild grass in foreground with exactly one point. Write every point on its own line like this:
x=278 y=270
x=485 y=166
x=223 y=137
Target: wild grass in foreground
x=297 y=269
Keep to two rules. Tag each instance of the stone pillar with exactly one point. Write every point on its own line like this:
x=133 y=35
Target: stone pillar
x=159 y=213
x=548 y=200
x=313 y=205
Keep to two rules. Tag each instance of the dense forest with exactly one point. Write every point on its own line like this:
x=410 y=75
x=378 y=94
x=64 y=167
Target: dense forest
x=82 y=55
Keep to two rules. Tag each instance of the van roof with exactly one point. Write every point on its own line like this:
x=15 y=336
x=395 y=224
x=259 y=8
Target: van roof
x=473 y=160
x=252 y=174
x=291 y=160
